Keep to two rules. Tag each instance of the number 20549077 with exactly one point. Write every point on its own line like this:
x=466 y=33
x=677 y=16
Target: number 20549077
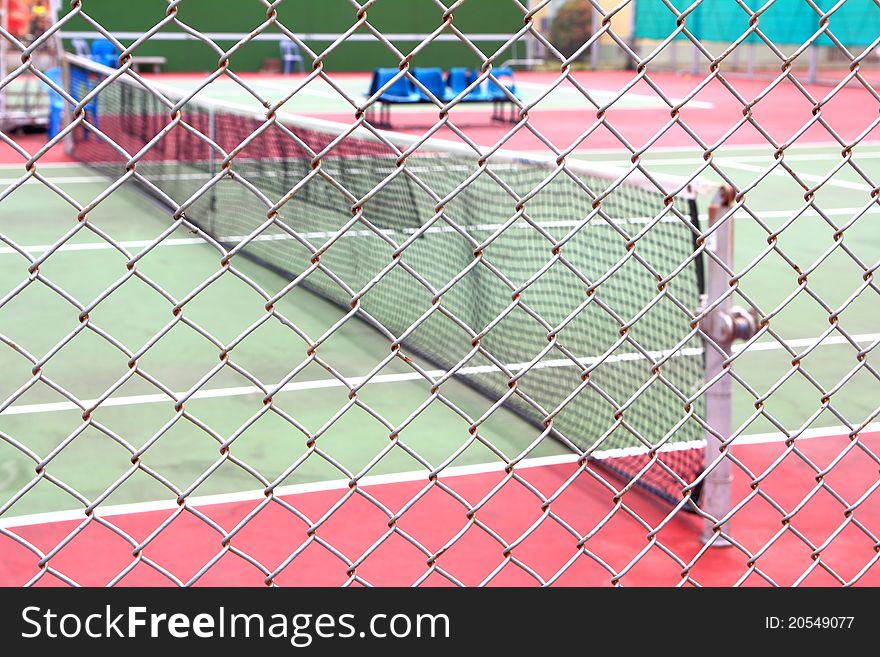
x=808 y=622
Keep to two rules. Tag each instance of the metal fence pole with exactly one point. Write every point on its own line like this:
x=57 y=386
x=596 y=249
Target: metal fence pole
x=716 y=495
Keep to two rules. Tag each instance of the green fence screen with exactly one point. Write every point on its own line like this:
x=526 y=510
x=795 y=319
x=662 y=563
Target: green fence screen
x=855 y=23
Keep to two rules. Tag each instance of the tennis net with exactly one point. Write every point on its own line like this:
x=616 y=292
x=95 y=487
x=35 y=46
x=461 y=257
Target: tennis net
x=564 y=294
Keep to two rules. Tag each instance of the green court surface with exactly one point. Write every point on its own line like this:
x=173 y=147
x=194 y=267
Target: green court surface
x=38 y=318
x=182 y=449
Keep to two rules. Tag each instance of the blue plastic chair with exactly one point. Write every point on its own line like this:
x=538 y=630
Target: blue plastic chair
x=432 y=79
x=291 y=55
x=457 y=79
x=481 y=93
x=500 y=98
x=401 y=91
x=105 y=53
x=505 y=76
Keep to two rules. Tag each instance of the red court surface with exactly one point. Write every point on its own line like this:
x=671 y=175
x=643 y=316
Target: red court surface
x=31 y=144
x=349 y=526
x=780 y=115
x=722 y=117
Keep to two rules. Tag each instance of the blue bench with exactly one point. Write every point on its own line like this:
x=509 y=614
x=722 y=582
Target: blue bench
x=432 y=79
x=403 y=91
x=460 y=79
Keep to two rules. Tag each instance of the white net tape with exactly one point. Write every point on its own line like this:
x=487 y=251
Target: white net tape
x=328 y=353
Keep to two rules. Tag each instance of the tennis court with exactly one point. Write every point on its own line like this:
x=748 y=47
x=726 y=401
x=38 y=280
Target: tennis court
x=218 y=369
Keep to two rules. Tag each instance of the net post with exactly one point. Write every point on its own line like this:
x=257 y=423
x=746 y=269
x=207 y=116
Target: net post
x=715 y=497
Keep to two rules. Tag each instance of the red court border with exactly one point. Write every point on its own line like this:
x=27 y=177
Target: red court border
x=186 y=541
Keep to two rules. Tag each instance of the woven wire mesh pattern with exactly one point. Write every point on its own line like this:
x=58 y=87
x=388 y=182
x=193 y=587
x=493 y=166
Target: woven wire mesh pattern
x=554 y=294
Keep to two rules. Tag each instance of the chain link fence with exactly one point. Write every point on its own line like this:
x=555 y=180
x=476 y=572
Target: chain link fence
x=594 y=310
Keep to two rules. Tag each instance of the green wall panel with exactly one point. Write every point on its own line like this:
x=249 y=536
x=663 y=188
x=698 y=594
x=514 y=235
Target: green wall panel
x=304 y=17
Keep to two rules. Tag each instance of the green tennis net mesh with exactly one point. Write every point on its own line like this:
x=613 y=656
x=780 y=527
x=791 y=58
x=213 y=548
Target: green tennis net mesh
x=562 y=295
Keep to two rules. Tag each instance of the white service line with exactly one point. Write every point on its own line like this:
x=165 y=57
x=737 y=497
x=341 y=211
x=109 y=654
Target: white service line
x=24 y=409
x=315 y=235
x=608 y=93
x=305 y=90
x=583 y=154
x=234 y=239
x=298 y=386
x=737 y=147
x=69 y=180
x=724 y=163
x=495 y=467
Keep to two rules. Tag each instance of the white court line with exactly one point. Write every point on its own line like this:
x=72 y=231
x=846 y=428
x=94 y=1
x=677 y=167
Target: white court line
x=306 y=90
x=69 y=180
x=234 y=239
x=580 y=154
x=318 y=235
x=295 y=386
x=608 y=93
x=697 y=104
x=298 y=386
x=765 y=147
x=781 y=173
x=768 y=159
x=78 y=515
x=222 y=95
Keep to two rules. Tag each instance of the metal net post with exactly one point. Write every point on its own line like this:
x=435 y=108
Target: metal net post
x=723 y=324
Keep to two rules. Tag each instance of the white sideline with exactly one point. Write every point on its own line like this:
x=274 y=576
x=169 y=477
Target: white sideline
x=863 y=145
x=296 y=386
x=317 y=235
x=395 y=478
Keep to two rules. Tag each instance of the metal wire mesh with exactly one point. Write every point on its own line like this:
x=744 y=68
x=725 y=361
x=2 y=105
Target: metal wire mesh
x=570 y=294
